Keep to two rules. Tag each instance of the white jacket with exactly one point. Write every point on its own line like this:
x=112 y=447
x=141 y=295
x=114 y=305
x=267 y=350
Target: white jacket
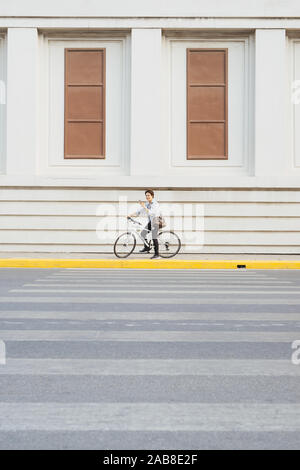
x=154 y=210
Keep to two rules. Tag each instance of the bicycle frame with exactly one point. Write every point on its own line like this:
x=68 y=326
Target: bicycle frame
x=135 y=232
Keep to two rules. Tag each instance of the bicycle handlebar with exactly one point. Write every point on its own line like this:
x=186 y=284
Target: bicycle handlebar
x=134 y=221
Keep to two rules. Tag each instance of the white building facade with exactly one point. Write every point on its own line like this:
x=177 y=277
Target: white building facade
x=199 y=101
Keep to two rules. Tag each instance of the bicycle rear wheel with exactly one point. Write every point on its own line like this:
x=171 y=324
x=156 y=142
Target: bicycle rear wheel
x=124 y=245
x=169 y=244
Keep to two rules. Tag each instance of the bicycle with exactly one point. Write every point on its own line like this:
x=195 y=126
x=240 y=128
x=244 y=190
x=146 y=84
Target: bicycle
x=168 y=242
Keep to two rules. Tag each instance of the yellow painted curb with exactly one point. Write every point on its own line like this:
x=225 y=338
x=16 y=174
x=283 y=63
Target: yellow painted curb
x=147 y=264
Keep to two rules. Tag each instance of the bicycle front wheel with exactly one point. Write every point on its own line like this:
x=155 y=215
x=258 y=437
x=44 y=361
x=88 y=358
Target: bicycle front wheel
x=124 y=245
x=169 y=244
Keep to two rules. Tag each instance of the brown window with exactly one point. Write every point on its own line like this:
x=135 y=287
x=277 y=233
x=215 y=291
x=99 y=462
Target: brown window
x=207 y=104
x=84 y=103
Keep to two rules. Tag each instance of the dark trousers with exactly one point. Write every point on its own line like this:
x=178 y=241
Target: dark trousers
x=154 y=231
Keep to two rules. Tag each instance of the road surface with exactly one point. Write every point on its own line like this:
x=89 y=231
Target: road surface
x=149 y=359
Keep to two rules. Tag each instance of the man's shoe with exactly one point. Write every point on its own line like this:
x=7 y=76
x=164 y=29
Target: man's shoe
x=144 y=250
x=155 y=257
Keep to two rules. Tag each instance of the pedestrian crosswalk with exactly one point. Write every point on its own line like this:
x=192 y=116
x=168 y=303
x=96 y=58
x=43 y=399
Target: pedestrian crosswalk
x=128 y=359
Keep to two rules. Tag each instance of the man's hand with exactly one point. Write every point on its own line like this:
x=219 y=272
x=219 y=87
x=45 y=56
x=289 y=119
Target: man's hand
x=142 y=204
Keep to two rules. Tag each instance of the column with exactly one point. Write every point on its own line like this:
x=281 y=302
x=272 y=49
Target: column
x=145 y=102
x=271 y=150
x=22 y=62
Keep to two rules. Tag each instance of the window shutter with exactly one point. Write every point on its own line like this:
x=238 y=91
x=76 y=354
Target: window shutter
x=207 y=120
x=84 y=135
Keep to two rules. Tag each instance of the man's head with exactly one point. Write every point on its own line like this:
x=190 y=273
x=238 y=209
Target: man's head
x=149 y=194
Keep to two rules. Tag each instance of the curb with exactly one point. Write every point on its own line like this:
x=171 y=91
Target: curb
x=147 y=264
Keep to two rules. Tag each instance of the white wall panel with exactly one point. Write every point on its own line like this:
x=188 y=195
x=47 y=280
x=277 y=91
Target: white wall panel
x=295 y=101
x=3 y=86
x=239 y=115
x=51 y=150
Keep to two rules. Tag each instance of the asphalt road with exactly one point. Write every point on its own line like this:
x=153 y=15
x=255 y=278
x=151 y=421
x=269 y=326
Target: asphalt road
x=144 y=359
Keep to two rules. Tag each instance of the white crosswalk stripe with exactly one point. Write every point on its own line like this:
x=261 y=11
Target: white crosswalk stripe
x=149 y=336
x=209 y=300
x=150 y=417
x=160 y=291
x=146 y=367
x=85 y=315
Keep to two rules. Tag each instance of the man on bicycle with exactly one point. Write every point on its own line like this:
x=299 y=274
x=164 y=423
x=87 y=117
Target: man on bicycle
x=151 y=209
